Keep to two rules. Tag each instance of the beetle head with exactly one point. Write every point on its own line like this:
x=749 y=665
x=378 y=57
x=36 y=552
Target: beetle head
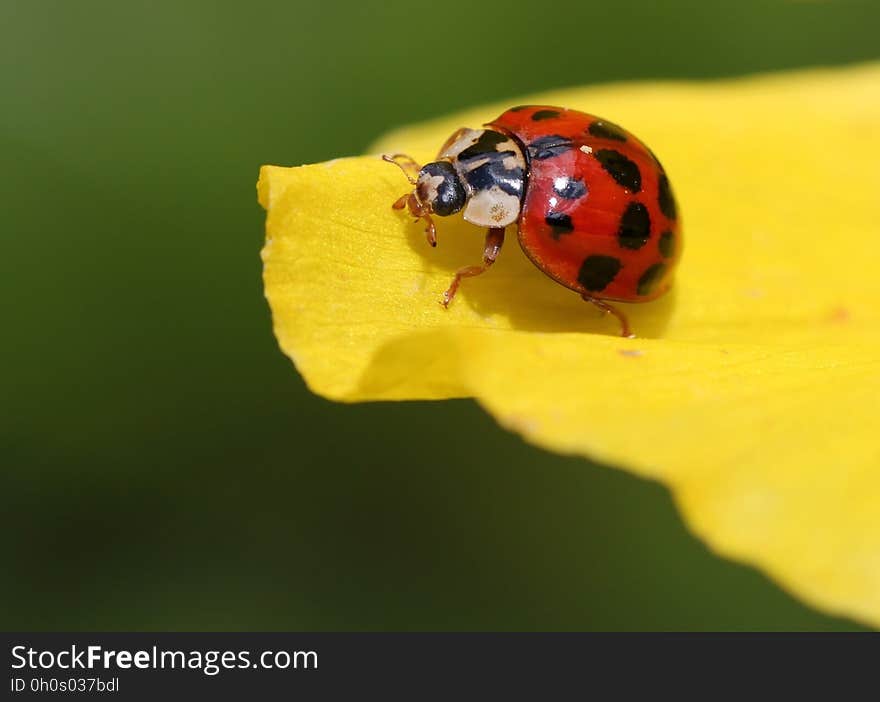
x=440 y=189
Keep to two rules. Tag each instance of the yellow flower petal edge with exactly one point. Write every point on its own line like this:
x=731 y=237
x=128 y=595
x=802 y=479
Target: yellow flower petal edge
x=752 y=388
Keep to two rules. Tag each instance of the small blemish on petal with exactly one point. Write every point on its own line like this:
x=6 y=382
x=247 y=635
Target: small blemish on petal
x=631 y=353
x=839 y=315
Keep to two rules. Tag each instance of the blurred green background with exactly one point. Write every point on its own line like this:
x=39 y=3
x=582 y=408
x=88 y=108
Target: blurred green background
x=164 y=467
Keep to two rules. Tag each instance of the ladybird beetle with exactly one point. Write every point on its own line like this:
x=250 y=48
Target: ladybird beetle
x=594 y=207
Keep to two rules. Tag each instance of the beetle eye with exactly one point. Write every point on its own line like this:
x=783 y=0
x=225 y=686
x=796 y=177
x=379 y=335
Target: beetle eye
x=440 y=187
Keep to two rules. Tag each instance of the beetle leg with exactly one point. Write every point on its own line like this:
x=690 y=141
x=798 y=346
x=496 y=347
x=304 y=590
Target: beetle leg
x=494 y=240
x=419 y=211
x=610 y=309
x=430 y=230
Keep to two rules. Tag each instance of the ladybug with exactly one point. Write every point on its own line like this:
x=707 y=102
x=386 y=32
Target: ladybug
x=594 y=207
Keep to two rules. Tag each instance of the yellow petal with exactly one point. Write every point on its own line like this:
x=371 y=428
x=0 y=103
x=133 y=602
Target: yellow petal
x=752 y=390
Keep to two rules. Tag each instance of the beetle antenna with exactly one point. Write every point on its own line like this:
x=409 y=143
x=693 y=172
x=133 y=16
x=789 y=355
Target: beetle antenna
x=407 y=160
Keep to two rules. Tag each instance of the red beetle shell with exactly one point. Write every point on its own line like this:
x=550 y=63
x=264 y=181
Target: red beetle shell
x=598 y=214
